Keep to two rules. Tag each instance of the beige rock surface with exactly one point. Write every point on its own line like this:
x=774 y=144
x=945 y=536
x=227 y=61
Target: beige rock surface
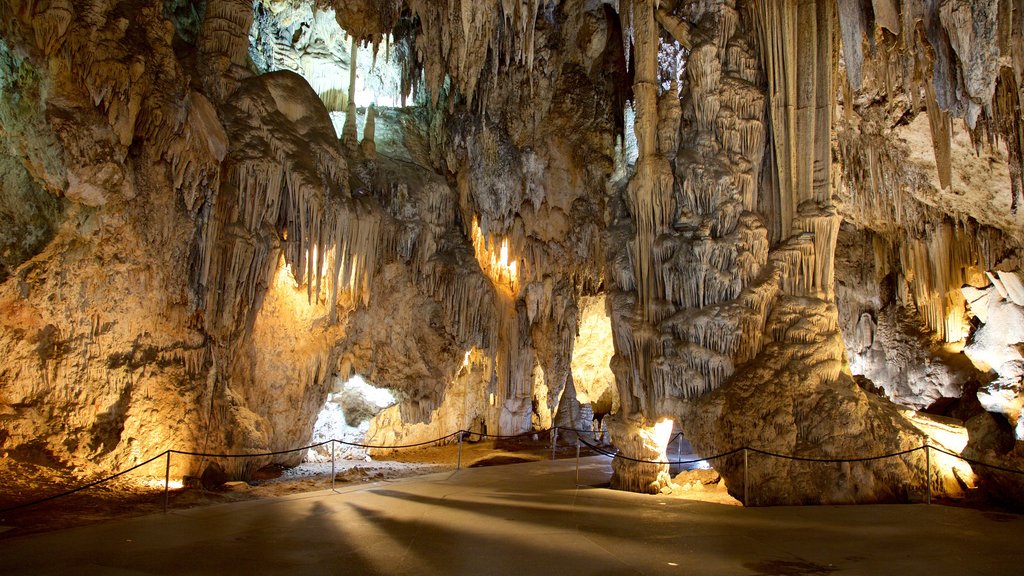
x=588 y=208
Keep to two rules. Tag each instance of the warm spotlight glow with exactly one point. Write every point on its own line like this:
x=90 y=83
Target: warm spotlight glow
x=159 y=484
x=284 y=277
x=500 y=267
x=663 y=432
x=287 y=294
x=949 y=436
x=324 y=263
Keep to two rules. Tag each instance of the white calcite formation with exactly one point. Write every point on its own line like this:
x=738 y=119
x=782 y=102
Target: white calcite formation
x=516 y=215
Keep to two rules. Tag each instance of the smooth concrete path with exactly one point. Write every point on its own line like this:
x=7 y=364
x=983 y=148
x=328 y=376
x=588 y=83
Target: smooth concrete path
x=527 y=519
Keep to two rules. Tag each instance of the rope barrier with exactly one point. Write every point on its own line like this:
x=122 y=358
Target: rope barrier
x=834 y=460
x=317 y=445
x=257 y=455
x=80 y=488
x=806 y=458
x=604 y=452
x=464 y=433
x=978 y=462
x=210 y=455
x=504 y=437
x=417 y=445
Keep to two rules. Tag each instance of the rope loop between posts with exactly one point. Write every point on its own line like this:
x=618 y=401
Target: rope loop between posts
x=165 y=453
x=609 y=454
x=973 y=462
x=466 y=433
x=84 y=486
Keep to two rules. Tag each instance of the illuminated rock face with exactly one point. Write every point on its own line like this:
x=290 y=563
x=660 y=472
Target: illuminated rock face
x=191 y=256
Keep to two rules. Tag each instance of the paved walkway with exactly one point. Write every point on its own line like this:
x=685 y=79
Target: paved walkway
x=527 y=519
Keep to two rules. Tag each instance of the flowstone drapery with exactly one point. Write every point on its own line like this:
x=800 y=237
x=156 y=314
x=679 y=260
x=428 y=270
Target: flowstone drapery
x=732 y=235
x=213 y=216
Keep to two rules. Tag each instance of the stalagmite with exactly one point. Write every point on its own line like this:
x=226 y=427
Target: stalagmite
x=192 y=257
x=368 y=147
x=349 y=136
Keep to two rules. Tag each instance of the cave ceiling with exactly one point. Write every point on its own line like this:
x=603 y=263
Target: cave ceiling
x=727 y=213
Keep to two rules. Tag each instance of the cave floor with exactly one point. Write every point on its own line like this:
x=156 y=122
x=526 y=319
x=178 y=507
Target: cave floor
x=525 y=519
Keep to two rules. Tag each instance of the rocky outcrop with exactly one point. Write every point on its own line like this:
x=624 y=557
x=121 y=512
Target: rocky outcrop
x=211 y=217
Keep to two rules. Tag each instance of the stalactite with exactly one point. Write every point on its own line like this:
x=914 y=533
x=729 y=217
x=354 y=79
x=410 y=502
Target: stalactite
x=1008 y=114
x=824 y=230
x=708 y=299
x=469 y=31
x=941 y=127
x=934 y=269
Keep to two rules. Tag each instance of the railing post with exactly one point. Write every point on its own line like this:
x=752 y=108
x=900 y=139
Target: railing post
x=928 y=470
x=679 y=445
x=167 y=480
x=746 y=496
x=577 y=459
x=458 y=464
x=554 y=441
x=334 y=475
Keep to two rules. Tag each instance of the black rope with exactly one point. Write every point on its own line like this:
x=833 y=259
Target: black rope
x=759 y=451
x=604 y=452
x=978 y=462
x=834 y=460
x=208 y=455
x=505 y=437
x=256 y=455
x=465 y=433
x=417 y=445
x=576 y=430
x=317 y=445
x=84 y=487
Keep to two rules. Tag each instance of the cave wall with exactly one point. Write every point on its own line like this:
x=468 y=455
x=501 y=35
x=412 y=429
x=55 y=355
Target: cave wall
x=219 y=257
x=928 y=136
x=797 y=203
x=194 y=255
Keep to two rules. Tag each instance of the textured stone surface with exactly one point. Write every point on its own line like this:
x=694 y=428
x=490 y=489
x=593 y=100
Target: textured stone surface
x=592 y=208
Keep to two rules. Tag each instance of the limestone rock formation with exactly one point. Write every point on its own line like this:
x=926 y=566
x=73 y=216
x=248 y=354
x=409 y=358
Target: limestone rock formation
x=514 y=215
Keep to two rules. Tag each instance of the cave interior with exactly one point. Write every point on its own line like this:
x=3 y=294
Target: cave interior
x=784 y=225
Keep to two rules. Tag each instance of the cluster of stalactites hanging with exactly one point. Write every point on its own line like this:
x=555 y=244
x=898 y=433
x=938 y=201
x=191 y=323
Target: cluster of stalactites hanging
x=223 y=46
x=495 y=261
x=140 y=99
x=806 y=260
x=932 y=270
x=965 y=57
x=691 y=296
x=929 y=248
x=285 y=188
x=521 y=302
x=367 y=20
x=458 y=39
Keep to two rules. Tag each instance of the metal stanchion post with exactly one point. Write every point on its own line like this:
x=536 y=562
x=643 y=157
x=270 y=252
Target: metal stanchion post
x=577 y=459
x=554 y=441
x=458 y=465
x=334 y=476
x=746 y=500
x=928 y=470
x=167 y=481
